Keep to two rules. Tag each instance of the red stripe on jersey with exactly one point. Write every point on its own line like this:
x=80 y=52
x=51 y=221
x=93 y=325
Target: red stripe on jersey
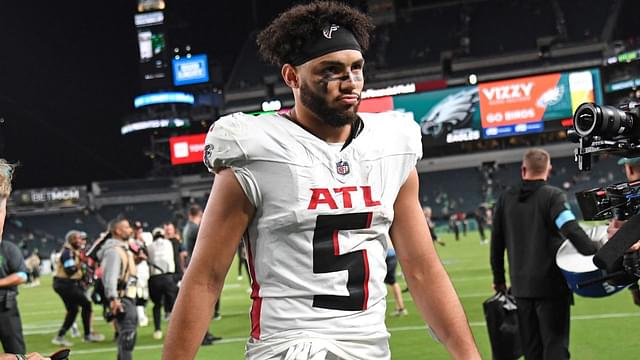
x=336 y=244
x=256 y=307
x=369 y=219
x=366 y=279
x=255 y=318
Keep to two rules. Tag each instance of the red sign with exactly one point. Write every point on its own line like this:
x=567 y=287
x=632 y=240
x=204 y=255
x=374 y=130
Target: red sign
x=514 y=101
x=187 y=149
x=567 y=123
x=376 y=105
x=431 y=85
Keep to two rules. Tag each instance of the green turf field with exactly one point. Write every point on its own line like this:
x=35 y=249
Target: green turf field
x=601 y=328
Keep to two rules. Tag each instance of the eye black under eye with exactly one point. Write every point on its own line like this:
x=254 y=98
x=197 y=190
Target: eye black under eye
x=332 y=69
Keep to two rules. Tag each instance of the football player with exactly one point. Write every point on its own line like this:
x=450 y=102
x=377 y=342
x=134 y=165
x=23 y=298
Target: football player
x=315 y=194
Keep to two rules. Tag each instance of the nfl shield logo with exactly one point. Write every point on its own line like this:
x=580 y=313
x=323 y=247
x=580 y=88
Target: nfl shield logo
x=342 y=167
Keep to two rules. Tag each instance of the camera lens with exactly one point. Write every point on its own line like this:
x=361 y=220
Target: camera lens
x=584 y=120
x=605 y=121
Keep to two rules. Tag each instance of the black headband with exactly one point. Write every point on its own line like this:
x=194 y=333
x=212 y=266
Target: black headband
x=333 y=38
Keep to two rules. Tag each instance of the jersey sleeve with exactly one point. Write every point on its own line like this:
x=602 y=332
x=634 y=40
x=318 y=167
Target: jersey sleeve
x=224 y=143
x=401 y=137
x=413 y=138
x=67 y=259
x=228 y=145
x=395 y=135
x=15 y=260
x=407 y=138
x=411 y=132
x=559 y=209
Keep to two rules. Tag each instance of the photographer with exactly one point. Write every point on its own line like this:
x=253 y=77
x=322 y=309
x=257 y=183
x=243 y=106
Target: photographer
x=119 y=278
x=67 y=282
x=632 y=171
x=13 y=272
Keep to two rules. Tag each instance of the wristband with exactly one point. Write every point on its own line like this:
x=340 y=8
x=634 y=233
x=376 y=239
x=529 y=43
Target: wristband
x=21 y=357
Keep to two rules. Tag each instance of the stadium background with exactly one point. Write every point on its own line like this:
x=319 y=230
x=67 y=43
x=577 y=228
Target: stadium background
x=104 y=108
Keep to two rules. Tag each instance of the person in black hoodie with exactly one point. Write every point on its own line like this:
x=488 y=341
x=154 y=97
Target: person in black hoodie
x=531 y=222
x=13 y=272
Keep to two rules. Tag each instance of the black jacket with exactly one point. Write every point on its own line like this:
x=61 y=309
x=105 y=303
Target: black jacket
x=524 y=225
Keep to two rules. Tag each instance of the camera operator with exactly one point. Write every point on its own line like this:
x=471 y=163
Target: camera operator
x=119 y=278
x=632 y=171
x=530 y=222
x=13 y=272
x=67 y=282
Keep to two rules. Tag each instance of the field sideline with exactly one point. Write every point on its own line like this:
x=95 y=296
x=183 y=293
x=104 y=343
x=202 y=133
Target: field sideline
x=601 y=328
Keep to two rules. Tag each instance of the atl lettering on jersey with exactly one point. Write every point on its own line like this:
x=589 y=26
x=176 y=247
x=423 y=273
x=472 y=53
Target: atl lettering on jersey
x=324 y=197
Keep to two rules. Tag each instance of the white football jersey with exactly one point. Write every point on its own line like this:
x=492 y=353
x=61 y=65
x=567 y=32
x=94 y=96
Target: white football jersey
x=317 y=244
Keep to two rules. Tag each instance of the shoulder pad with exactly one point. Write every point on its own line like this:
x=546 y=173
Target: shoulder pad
x=236 y=139
x=396 y=129
x=222 y=146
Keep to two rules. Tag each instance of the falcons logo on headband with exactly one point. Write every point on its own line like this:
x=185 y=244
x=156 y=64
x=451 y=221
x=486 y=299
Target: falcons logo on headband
x=327 y=32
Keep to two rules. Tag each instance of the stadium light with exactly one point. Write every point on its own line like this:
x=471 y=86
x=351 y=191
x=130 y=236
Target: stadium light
x=273 y=105
x=473 y=79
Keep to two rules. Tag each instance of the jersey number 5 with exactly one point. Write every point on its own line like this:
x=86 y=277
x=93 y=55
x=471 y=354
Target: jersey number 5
x=327 y=258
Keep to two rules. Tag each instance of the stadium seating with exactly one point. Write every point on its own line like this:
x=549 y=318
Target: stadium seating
x=417 y=39
x=450 y=191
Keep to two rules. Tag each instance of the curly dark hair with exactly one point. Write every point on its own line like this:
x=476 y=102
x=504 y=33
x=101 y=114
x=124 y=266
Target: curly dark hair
x=288 y=33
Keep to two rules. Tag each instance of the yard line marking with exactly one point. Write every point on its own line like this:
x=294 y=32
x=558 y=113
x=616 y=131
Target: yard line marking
x=461 y=296
x=232 y=286
x=392 y=329
x=470 y=278
x=41 y=332
x=23 y=304
x=472 y=295
x=603 y=316
x=152 y=347
x=482 y=323
x=35 y=325
x=33 y=313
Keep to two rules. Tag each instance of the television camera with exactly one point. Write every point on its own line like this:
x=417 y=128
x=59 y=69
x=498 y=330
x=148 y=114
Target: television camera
x=610 y=130
x=620 y=201
x=605 y=129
